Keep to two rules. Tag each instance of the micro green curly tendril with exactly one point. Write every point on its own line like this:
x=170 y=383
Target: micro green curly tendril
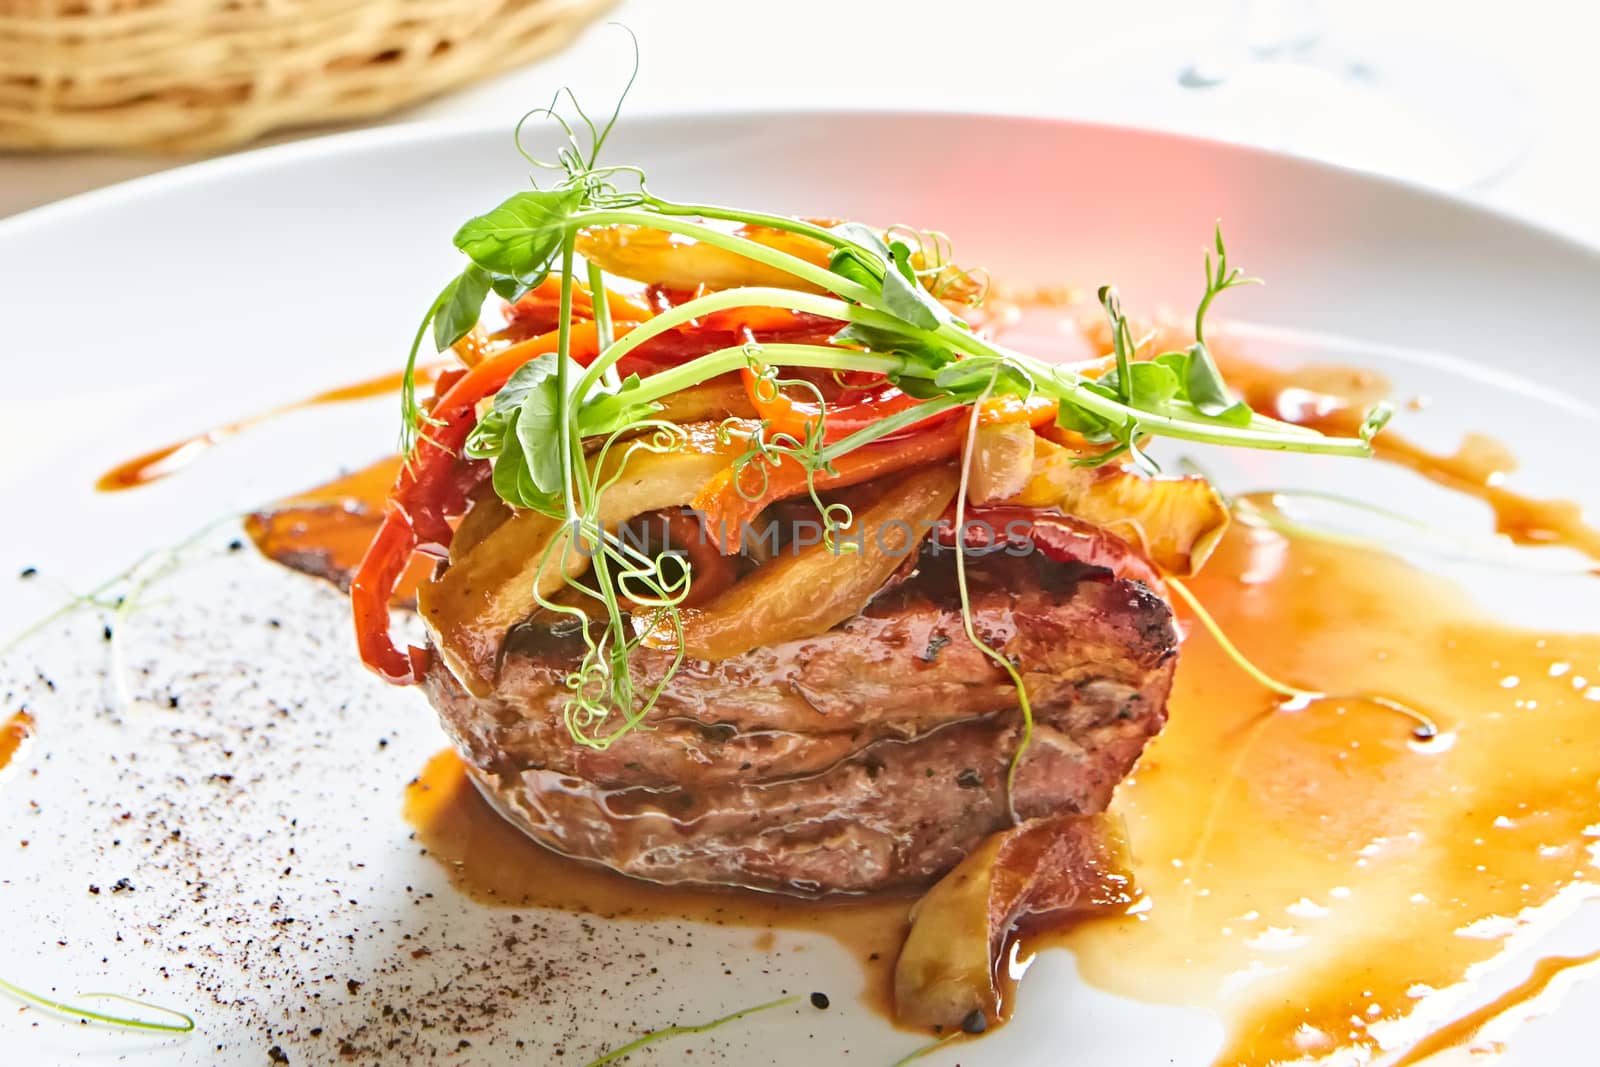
x=1024 y=704
x=125 y=1022
x=939 y=271
x=572 y=159
x=676 y=1031
x=769 y=452
x=932 y=1046
x=550 y=113
x=882 y=288
x=602 y=681
x=1424 y=727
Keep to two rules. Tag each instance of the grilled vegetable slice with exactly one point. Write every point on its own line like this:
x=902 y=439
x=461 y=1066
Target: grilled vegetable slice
x=946 y=970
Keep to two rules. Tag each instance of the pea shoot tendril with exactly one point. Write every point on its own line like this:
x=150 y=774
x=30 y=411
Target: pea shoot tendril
x=895 y=293
x=677 y=1031
x=181 y=1024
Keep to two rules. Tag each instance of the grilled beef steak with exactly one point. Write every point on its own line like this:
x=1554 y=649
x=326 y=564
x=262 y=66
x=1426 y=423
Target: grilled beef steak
x=871 y=756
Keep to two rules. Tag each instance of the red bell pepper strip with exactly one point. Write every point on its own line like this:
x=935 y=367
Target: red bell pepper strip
x=540 y=307
x=728 y=511
x=429 y=492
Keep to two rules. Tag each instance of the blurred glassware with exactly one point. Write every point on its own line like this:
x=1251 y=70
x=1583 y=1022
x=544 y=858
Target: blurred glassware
x=1282 y=74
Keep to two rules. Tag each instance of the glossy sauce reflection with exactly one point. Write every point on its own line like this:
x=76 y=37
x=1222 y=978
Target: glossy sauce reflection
x=492 y=861
x=1287 y=855
x=1278 y=851
x=1465 y=1030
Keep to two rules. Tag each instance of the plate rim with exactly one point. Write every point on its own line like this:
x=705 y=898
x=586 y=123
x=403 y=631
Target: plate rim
x=333 y=145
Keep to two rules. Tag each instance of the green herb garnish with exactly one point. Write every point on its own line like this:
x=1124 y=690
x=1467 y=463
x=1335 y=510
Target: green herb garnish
x=126 y=1022
x=884 y=289
x=677 y=1031
x=932 y=1046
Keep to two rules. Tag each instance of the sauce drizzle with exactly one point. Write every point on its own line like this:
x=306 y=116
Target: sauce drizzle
x=1333 y=400
x=15 y=733
x=1465 y=1030
x=170 y=459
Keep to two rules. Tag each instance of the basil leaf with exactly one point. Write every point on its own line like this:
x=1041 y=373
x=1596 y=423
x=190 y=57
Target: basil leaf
x=462 y=305
x=900 y=255
x=864 y=260
x=848 y=264
x=537 y=431
x=512 y=287
x=606 y=411
x=1178 y=363
x=919 y=388
x=967 y=376
x=866 y=237
x=968 y=379
x=1151 y=385
x=1092 y=427
x=527 y=408
x=1204 y=386
x=519 y=237
x=905 y=298
x=1236 y=414
x=886 y=269
x=487 y=439
x=931 y=354
x=511 y=481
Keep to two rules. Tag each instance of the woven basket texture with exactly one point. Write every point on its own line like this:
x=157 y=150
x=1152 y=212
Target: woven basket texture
x=185 y=76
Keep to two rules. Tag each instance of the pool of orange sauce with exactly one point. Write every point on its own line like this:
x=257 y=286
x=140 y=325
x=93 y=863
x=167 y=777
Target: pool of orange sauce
x=15 y=733
x=1310 y=873
x=492 y=861
x=1278 y=850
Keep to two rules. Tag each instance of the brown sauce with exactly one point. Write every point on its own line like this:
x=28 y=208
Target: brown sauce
x=325 y=531
x=169 y=459
x=15 y=733
x=1465 y=1030
x=1279 y=851
x=1276 y=850
x=1333 y=399
x=492 y=861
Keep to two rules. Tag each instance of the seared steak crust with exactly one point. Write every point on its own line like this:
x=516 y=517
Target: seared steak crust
x=871 y=756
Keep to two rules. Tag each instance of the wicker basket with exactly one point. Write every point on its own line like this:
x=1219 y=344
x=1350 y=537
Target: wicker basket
x=192 y=75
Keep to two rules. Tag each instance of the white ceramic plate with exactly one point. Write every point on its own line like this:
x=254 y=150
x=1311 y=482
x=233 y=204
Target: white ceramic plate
x=149 y=311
